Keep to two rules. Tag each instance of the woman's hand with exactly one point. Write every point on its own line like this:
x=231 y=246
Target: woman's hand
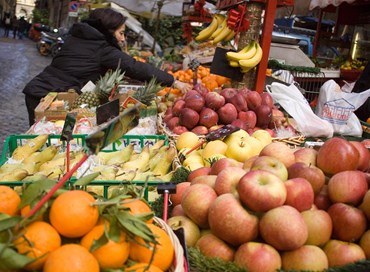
x=182 y=86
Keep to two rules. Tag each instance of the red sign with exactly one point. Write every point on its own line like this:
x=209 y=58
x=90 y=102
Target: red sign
x=73 y=6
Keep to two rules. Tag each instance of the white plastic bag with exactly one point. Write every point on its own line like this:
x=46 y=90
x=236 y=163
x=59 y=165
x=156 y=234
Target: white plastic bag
x=296 y=105
x=337 y=107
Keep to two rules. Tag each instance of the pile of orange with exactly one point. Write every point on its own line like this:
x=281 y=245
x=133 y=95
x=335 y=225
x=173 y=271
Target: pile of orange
x=74 y=217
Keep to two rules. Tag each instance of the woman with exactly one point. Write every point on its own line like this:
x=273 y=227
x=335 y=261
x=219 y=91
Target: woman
x=92 y=48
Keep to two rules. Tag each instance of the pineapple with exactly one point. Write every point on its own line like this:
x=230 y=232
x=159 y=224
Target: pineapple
x=147 y=93
x=105 y=87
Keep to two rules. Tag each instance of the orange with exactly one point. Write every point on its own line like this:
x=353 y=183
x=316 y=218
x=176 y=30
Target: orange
x=137 y=206
x=110 y=255
x=164 y=251
x=143 y=267
x=71 y=257
x=72 y=213
x=9 y=200
x=38 y=240
x=26 y=209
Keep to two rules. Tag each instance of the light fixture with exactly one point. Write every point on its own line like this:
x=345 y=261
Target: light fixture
x=196 y=23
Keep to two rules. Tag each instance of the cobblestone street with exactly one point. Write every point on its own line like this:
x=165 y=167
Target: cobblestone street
x=19 y=63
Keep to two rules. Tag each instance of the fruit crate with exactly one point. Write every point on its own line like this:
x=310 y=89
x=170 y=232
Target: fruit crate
x=78 y=141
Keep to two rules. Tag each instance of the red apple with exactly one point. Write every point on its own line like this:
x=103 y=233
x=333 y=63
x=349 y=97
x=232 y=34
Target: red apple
x=319 y=225
x=239 y=123
x=239 y=102
x=305 y=258
x=229 y=221
x=200 y=130
x=315 y=176
x=364 y=160
x=208 y=117
x=188 y=118
x=306 y=155
x=180 y=188
x=248 y=163
x=300 y=194
x=280 y=151
x=227 y=180
x=284 y=228
x=228 y=93
x=194 y=101
x=177 y=107
x=270 y=164
x=322 y=200
x=213 y=247
x=249 y=117
x=337 y=155
x=267 y=99
x=191 y=230
x=227 y=113
x=196 y=201
x=365 y=205
x=264 y=115
x=209 y=180
x=365 y=243
x=253 y=99
x=223 y=163
x=341 y=253
x=349 y=223
x=214 y=100
x=177 y=210
x=261 y=190
x=199 y=172
x=257 y=257
x=347 y=187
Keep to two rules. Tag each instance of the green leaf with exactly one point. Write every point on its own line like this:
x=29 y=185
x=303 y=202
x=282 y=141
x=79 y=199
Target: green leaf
x=103 y=239
x=10 y=259
x=35 y=190
x=85 y=180
x=8 y=222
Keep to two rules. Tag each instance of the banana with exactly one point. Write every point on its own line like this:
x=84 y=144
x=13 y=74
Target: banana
x=230 y=36
x=207 y=32
x=223 y=34
x=246 y=53
x=15 y=175
x=9 y=167
x=140 y=162
x=234 y=63
x=122 y=155
x=248 y=64
x=32 y=145
x=53 y=163
x=220 y=27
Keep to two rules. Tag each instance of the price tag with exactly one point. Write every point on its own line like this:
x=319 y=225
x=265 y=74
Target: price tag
x=107 y=111
x=68 y=127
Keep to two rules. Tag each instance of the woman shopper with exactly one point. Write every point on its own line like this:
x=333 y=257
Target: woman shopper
x=92 y=48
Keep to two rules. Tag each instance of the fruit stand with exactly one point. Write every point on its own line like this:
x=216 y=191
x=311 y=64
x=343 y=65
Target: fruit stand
x=221 y=178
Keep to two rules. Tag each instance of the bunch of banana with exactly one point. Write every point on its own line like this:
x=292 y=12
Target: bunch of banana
x=217 y=31
x=209 y=30
x=247 y=58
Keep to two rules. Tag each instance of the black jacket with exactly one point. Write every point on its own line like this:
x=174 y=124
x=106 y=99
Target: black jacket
x=86 y=55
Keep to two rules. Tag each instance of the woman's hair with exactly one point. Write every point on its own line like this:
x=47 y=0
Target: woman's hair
x=109 y=18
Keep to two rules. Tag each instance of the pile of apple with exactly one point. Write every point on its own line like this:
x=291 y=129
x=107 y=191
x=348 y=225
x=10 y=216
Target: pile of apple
x=292 y=209
x=201 y=111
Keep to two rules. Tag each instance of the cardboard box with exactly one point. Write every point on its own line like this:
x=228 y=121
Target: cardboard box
x=59 y=113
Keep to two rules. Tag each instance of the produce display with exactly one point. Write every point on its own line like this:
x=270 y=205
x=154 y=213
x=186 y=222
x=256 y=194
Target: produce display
x=217 y=31
x=247 y=58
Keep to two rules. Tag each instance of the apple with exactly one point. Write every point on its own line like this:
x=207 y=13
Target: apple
x=349 y=223
x=177 y=107
x=283 y=228
x=194 y=101
x=366 y=143
x=200 y=130
x=365 y=205
x=306 y=155
x=315 y=176
x=261 y=190
x=213 y=247
x=267 y=99
x=280 y=151
x=264 y=115
x=196 y=201
x=270 y=164
x=341 y=253
x=221 y=164
x=253 y=99
x=249 y=117
x=319 y=225
x=365 y=243
x=322 y=200
x=237 y=135
x=208 y=117
x=229 y=221
x=248 y=163
x=214 y=100
x=228 y=93
x=205 y=170
x=305 y=258
x=227 y=113
x=214 y=147
x=191 y=230
x=300 y=194
x=177 y=210
x=209 y=180
x=239 y=102
x=263 y=136
x=364 y=160
x=227 y=180
x=257 y=257
x=337 y=155
x=347 y=187
x=180 y=188
x=240 y=150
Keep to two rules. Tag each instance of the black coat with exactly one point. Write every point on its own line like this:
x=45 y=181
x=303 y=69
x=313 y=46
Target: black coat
x=85 y=56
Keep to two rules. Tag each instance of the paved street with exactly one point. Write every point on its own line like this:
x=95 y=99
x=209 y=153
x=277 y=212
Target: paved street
x=19 y=63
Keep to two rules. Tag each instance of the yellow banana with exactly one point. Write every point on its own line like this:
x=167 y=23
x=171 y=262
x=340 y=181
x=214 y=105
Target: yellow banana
x=248 y=64
x=246 y=53
x=234 y=63
x=220 y=27
x=15 y=175
x=207 y=32
x=230 y=36
x=30 y=167
x=32 y=145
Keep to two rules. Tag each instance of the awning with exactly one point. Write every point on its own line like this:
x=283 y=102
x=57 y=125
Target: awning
x=325 y=3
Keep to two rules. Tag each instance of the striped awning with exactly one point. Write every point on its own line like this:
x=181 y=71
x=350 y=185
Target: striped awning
x=325 y=3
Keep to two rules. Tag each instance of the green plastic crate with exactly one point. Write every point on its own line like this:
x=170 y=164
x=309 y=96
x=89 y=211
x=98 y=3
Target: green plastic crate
x=13 y=141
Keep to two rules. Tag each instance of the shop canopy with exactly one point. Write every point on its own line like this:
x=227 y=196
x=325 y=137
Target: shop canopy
x=324 y=3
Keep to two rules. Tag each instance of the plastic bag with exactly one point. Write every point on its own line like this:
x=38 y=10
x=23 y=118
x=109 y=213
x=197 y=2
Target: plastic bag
x=337 y=107
x=296 y=105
